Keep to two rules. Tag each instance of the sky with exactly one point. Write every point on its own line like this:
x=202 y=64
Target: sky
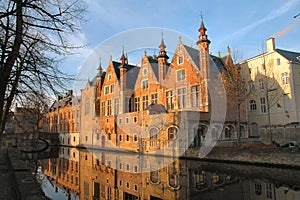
x=241 y=25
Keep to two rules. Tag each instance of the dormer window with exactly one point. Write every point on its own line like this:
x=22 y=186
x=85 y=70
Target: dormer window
x=145 y=71
x=180 y=60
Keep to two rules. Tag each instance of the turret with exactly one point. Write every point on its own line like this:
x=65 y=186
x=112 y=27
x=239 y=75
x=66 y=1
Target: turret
x=162 y=61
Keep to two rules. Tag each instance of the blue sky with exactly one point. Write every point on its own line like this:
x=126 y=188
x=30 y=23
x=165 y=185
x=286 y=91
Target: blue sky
x=243 y=25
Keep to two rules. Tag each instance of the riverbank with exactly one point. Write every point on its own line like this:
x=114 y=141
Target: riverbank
x=251 y=154
x=17 y=181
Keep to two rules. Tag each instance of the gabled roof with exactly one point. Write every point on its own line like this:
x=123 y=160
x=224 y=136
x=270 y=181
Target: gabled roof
x=131 y=76
x=194 y=54
x=154 y=65
x=289 y=55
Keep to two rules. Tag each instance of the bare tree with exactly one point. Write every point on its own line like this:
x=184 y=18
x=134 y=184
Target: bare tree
x=33 y=40
x=235 y=84
x=269 y=86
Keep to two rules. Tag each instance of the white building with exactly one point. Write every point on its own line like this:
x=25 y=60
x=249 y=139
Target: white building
x=274 y=102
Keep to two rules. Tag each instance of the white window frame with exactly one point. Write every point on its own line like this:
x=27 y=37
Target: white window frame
x=285 y=78
x=263 y=105
x=180 y=75
x=180 y=59
x=145 y=84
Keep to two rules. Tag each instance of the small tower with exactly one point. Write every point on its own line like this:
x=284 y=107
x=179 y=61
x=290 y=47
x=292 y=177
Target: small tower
x=123 y=70
x=162 y=60
x=204 y=62
x=99 y=74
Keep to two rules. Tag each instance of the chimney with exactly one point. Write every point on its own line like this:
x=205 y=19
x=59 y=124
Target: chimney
x=271 y=44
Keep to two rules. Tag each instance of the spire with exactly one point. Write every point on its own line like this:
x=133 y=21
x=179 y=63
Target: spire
x=228 y=50
x=202 y=38
x=162 y=48
x=123 y=57
x=162 y=45
x=100 y=69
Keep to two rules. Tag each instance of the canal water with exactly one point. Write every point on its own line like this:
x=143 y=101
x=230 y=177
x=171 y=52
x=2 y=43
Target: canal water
x=70 y=173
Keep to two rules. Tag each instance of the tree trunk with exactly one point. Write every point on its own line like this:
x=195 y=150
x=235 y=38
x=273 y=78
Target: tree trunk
x=8 y=66
x=238 y=123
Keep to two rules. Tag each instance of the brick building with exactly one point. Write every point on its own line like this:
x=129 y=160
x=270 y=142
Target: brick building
x=63 y=118
x=159 y=104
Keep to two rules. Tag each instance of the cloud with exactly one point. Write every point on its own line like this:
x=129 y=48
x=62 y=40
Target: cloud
x=272 y=15
x=286 y=29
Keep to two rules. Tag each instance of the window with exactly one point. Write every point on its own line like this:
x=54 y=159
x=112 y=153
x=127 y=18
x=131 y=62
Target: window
x=137 y=104
x=154 y=98
x=120 y=167
x=135 y=168
x=106 y=90
x=278 y=61
x=127 y=184
x=261 y=84
x=145 y=71
x=145 y=84
x=127 y=167
x=103 y=108
x=108 y=107
x=134 y=119
x=87 y=106
x=135 y=138
x=127 y=120
x=181 y=98
x=127 y=138
x=253 y=105
x=251 y=85
x=285 y=78
x=228 y=132
x=145 y=102
x=257 y=188
x=153 y=133
x=109 y=76
x=120 y=121
x=120 y=137
x=135 y=187
x=173 y=177
x=269 y=190
x=170 y=100
x=195 y=96
x=172 y=131
x=180 y=60
x=263 y=107
x=112 y=88
x=180 y=75
x=116 y=106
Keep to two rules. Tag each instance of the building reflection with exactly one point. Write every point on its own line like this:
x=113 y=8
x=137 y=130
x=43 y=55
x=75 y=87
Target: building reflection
x=120 y=176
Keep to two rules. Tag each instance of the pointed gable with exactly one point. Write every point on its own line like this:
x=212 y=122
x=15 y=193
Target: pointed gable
x=289 y=55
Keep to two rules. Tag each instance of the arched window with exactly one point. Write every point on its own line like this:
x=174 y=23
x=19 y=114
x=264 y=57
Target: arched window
x=253 y=105
x=153 y=133
x=228 y=132
x=173 y=176
x=154 y=173
x=199 y=133
x=199 y=179
x=172 y=131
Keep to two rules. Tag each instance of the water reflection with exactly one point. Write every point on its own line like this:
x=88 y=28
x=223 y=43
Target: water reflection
x=85 y=175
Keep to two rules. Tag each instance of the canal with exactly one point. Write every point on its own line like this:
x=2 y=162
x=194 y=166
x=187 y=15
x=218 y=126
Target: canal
x=71 y=173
